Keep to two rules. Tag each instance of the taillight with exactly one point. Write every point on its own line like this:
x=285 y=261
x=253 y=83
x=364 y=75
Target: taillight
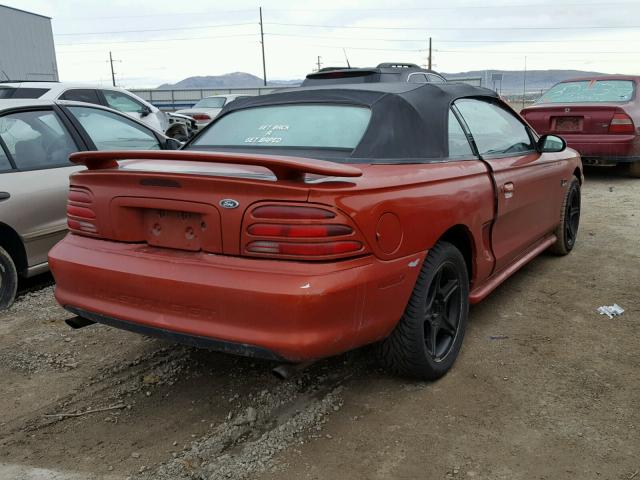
x=80 y=214
x=621 y=123
x=300 y=232
x=200 y=116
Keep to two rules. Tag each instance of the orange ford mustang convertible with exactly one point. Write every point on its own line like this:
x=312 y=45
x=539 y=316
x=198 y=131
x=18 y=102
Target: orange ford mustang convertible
x=306 y=223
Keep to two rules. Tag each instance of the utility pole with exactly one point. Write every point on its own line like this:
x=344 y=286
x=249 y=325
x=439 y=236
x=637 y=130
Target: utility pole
x=113 y=74
x=524 y=81
x=429 y=62
x=319 y=63
x=264 y=64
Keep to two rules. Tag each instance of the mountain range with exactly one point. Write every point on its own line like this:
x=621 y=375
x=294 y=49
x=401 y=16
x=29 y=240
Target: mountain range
x=512 y=80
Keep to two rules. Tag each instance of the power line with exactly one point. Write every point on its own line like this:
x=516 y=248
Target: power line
x=429 y=28
x=546 y=52
x=107 y=42
x=457 y=7
x=155 y=29
x=440 y=40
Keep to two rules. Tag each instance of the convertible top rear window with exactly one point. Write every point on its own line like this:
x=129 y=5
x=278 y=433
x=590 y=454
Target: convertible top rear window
x=299 y=126
x=589 y=91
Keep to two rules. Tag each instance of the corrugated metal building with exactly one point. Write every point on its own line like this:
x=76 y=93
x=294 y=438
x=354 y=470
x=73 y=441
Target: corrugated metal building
x=27 y=51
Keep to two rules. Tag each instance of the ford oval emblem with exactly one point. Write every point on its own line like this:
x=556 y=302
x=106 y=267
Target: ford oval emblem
x=229 y=203
x=567 y=109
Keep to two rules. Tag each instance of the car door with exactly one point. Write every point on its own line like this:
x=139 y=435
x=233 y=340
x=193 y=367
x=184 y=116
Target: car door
x=37 y=143
x=529 y=189
x=105 y=130
x=124 y=103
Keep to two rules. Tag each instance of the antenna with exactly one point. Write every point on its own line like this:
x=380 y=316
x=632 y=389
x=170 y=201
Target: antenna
x=346 y=58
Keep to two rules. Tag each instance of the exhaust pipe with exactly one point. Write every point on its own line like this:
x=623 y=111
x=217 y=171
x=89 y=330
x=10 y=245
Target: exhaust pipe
x=78 y=322
x=287 y=371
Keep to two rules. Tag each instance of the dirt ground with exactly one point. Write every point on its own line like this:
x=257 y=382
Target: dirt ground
x=545 y=388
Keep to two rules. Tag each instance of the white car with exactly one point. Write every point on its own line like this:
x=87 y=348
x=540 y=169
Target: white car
x=112 y=97
x=208 y=108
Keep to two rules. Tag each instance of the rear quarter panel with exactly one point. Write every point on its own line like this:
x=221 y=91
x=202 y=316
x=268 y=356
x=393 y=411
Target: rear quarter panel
x=426 y=200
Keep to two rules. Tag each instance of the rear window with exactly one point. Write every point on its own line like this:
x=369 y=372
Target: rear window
x=12 y=92
x=216 y=102
x=589 y=91
x=301 y=126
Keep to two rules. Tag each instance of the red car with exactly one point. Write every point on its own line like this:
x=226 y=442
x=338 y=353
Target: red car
x=597 y=116
x=318 y=220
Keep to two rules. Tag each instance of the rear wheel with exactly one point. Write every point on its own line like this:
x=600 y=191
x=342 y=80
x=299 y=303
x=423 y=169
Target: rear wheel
x=8 y=279
x=428 y=337
x=634 y=169
x=567 y=230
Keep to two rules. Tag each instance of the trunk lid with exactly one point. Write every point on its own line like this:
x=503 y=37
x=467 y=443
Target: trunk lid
x=191 y=201
x=590 y=119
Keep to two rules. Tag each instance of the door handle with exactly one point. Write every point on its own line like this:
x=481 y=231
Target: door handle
x=508 y=189
x=4 y=196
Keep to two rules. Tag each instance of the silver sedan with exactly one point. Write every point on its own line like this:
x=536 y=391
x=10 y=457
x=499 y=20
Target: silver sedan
x=36 y=138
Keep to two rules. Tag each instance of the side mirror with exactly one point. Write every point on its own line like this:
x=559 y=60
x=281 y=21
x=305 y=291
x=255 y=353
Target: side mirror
x=144 y=111
x=551 y=143
x=172 y=144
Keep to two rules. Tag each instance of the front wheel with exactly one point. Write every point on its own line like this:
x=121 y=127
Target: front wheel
x=8 y=279
x=567 y=230
x=428 y=337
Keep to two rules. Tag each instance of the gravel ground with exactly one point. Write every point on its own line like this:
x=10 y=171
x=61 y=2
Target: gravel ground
x=545 y=388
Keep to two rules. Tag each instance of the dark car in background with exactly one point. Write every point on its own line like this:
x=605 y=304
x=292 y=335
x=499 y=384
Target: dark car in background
x=383 y=73
x=597 y=116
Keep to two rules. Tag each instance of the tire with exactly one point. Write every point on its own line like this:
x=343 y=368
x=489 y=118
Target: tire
x=438 y=307
x=634 y=169
x=8 y=280
x=567 y=230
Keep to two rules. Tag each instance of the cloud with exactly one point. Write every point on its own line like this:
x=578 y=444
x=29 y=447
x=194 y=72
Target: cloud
x=156 y=42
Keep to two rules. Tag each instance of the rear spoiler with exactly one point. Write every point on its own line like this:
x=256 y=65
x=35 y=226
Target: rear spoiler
x=284 y=168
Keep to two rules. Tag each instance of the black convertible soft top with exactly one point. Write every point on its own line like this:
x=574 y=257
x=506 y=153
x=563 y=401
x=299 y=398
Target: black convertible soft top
x=407 y=120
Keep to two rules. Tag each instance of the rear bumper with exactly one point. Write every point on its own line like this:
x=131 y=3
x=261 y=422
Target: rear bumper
x=289 y=310
x=617 y=148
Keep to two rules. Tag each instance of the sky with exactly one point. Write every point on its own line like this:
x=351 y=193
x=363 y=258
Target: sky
x=156 y=41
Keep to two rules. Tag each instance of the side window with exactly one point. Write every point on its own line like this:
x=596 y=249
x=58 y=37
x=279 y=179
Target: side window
x=458 y=142
x=36 y=139
x=110 y=131
x=416 y=78
x=86 y=95
x=431 y=78
x=495 y=130
x=121 y=102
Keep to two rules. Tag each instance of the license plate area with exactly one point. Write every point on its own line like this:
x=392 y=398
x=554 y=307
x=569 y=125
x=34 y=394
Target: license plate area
x=567 y=124
x=174 y=229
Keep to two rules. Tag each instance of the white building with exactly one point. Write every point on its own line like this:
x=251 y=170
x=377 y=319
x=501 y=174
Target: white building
x=27 y=51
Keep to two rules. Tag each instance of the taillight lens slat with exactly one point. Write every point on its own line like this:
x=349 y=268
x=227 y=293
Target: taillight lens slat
x=305 y=249
x=286 y=212
x=298 y=231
